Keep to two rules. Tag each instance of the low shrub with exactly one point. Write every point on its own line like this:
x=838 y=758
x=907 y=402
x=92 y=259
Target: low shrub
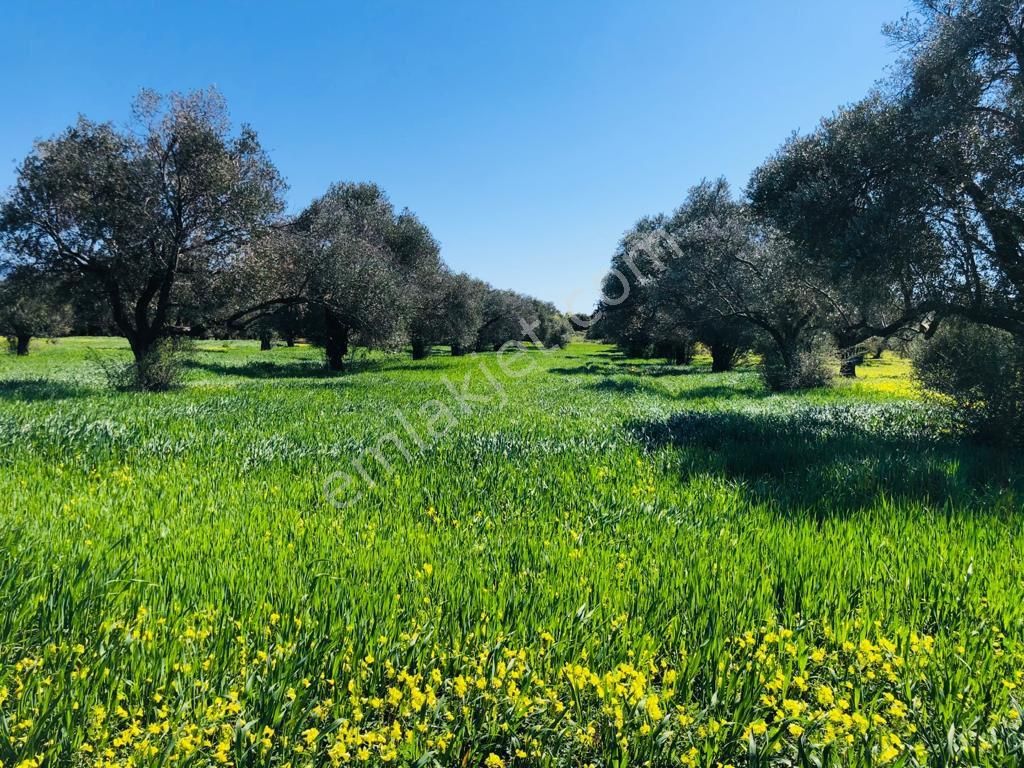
x=979 y=372
x=160 y=370
x=806 y=367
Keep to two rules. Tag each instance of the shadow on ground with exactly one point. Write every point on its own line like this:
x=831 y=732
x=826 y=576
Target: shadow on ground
x=632 y=385
x=266 y=369
x=35 y=390
x=622 y=367
x=306 y=369
x=838 y=459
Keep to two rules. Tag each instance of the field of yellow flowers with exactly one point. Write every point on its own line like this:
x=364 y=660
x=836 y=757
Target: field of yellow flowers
x=597 y=561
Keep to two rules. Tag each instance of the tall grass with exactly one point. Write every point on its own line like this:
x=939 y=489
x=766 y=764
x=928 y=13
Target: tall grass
x=615 y=563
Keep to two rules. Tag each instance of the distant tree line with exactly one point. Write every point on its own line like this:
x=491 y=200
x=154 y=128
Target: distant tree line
x=175 y=228
x=899 y=217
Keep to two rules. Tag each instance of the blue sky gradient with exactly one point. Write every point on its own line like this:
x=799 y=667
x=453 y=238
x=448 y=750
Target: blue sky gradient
x=527 y=135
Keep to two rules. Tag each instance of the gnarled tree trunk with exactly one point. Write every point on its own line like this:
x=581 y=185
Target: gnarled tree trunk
x=420 y=348
x=683 y=354
x=22 y=341
x=723 y=358
x=848 y=361
x=636 y=349
x=142 y=344
x=336 y=341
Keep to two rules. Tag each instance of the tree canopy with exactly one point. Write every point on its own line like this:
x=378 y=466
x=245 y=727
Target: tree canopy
x=177 y=222
x=154 y=215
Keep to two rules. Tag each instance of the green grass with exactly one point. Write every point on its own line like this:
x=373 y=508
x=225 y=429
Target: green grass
x=609 y=562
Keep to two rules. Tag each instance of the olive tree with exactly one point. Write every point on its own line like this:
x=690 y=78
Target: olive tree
x=464 y=312
x=878 y=265
x=152 y=215
x=651 y=304
x=363 y=269
x=627 y=312
x=914 y=195
x=554 y=329
x=961 y=110
x=449 y=310
x=508 y=316
x=979 y=370
x=31 y=305
x=742 y=270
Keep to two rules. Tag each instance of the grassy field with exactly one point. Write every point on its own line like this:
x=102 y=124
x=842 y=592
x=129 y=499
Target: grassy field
x=579 y=560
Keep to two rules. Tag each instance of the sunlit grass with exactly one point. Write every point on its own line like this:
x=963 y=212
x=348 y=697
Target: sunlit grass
x=610 y=562
x=890 y=376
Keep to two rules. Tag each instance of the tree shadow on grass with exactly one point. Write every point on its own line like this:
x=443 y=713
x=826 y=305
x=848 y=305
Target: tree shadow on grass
x=306 y=369
x=835 y=460
x=720 y=392
x=265 y=369
x=624 y=386
x=415 y=365
x=640 y=385
x=39 y=390
x=624 y=368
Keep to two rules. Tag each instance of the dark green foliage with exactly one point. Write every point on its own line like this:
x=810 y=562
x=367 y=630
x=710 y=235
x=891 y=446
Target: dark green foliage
x=716 y=274
x=161 y=369
x=980 y=370
x=555 y=328
x=804 y=365
x=628 y=310
x=449 y=310
x=911 y=202
x=31 y=305
x=152 y=217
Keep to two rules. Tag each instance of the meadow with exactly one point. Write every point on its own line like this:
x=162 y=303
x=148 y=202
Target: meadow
x=581 y=560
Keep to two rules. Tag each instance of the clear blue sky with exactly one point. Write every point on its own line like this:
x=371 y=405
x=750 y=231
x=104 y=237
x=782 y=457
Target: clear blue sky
x=527 y=135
